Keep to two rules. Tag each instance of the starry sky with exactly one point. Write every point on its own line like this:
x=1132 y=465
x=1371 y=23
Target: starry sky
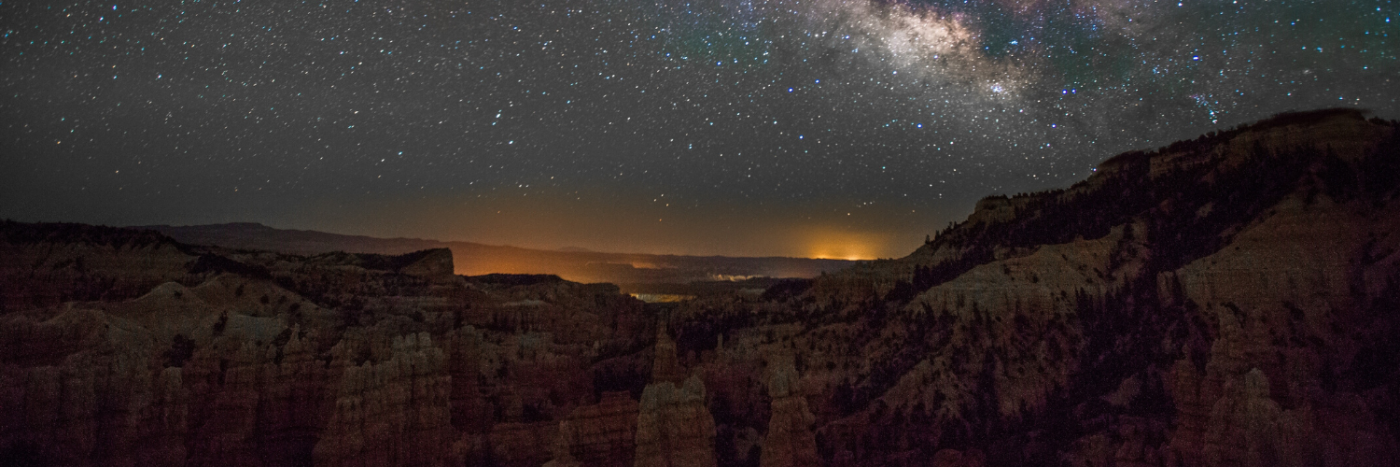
x=833 y=128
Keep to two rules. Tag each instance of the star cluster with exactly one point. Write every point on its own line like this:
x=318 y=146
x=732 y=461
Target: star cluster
x=701 y=126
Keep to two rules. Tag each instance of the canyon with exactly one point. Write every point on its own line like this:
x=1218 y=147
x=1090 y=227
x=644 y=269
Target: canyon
x=1225 y=301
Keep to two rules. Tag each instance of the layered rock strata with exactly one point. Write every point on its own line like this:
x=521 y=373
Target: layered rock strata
x=674 y=428
x=255 y=358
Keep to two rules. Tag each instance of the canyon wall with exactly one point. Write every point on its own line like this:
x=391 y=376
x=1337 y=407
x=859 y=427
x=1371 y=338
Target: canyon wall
x=1225 y=301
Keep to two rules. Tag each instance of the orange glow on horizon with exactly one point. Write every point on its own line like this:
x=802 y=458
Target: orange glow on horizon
x=850 y=246
x=603 y=224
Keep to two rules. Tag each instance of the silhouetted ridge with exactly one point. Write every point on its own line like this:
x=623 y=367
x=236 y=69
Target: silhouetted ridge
x=212 y=263
x=20 y=233
x=376 y=262
x=515 y=279
x=1305 y=118
x=1088 y=210
x=786 y=289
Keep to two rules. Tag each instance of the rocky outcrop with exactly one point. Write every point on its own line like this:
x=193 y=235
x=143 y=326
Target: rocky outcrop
x=674 y=428
x=790 y=441
x=1242 y=423
x=1283 y=301
x=561 y=448
x=393 y=412
x=665 y=366
x=603 y=434
x=522 y=444
x=430 y=263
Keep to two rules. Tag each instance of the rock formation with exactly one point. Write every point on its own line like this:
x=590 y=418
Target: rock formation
x=1116 y=322
x=790 y=441
x=674 y=428
x=1229 y=300
x=603 y=434
x=256 y=358
x=393 y=412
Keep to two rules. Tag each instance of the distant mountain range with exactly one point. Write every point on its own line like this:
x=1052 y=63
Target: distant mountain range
x=574 y=264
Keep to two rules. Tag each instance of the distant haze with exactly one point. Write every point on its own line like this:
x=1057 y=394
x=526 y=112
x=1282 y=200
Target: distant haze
x=478 y=259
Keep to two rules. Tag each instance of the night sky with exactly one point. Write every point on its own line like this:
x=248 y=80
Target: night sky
x=740 y=127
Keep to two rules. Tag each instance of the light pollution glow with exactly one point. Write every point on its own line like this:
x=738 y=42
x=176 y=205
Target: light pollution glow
x=612 y=225
x=827 y=243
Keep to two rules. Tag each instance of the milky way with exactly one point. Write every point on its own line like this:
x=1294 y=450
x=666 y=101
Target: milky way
x=708 y=126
